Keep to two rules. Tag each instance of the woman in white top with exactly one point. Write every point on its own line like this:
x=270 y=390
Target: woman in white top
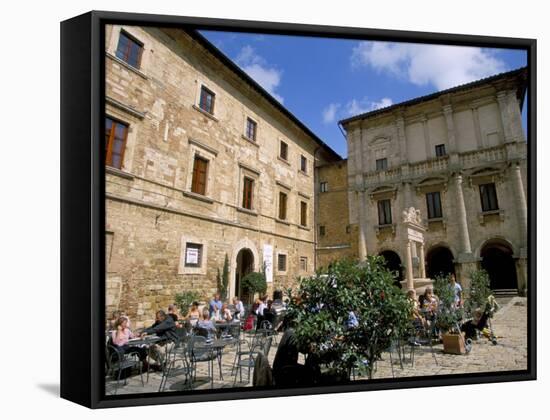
x=239 y=308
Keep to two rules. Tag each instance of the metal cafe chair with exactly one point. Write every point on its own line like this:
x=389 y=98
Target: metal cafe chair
x=117 y=362
x=177 y=363
x=199 y=351
x=260 y=343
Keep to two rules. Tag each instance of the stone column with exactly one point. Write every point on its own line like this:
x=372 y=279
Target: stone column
x=362 y=226
x=516 y=125
x=422 y=264
x=400 y=125
x=505 y=117
x=521 y=202
x=410 y=280
x=448 y=112
x=464 y=235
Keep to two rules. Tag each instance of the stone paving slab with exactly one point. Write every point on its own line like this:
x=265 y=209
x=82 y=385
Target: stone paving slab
x=509 y=324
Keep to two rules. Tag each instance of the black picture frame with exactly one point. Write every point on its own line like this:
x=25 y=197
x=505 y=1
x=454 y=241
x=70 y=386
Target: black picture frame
x=83 y=191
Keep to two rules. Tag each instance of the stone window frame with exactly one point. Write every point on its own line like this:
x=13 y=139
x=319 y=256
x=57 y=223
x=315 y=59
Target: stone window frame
x=112 y=44
x=246 y=171
x=285 y=189
x=256 y=129
x=118 y=113
x=133 y=39
x=305 y=201
x=285 y=271
x=198 y=149
x=182 y=268
x=303 y=164
x=389 y=207
x=379 y=148
x=285 y=148
x=432 y=193
x=440 y=150
x=323 y=186
x=488 y=196
x=381 y=164
x=303 y=259
x=200 y=84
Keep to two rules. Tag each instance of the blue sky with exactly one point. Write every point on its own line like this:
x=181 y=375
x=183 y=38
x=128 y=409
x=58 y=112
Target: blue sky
x=322 y=81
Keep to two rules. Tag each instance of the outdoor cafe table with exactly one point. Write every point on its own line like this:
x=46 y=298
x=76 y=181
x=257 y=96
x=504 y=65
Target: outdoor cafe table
x=216 y=345
x=146 y=341
x=222 y=325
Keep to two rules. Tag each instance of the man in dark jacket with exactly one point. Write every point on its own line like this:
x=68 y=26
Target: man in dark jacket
x=165 y=328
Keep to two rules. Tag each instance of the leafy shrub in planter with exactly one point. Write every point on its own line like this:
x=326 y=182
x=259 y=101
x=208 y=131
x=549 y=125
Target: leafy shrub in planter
x=254 y=283
x=184 y=300
x=448 y=316
x=479 y=291
x=320 y=308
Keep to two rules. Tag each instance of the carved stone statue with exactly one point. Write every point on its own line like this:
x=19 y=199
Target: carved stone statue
x=412 y=215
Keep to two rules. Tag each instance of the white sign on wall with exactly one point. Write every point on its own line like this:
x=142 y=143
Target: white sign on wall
x=268 y=262
x=192 y=256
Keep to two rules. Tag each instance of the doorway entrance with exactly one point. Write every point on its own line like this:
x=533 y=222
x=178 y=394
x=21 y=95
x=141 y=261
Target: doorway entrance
x=439 y=261
x=245 y=265
x=393 y=263
x=497 y=259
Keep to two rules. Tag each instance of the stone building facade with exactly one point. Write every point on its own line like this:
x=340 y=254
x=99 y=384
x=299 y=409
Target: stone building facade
x=336 y=237
x=459 y=157
x=200 y=163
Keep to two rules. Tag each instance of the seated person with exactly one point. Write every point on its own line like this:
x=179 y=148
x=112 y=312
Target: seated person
x=416 y=316
x=194 y=314
x=121 y=336
x=206 y=324
x=259 y=311
x=216 y=314
x=226 y=313
x=429 y=304
x=269 y=313
x=173 y=312
x=214 y=304
x=239 y=308
x=165 y=328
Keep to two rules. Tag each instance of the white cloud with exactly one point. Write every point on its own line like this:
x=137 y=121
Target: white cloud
x=335 y=111
x=356 y=107
x=257 y=67
x=329 y=113
x=441 y=66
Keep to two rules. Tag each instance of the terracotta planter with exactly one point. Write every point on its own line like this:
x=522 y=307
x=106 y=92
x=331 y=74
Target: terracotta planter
x=453 y=343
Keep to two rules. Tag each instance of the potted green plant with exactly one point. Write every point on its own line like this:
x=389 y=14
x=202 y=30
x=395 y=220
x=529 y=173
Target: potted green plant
x=449 y=317
x=478 y=292
x=347 y=316
x=185 y=299
x=254 y=283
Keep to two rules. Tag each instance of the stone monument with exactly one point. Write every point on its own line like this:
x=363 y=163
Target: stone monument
x=411 y=233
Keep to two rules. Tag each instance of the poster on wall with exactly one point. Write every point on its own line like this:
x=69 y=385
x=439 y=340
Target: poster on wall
x=268 y=262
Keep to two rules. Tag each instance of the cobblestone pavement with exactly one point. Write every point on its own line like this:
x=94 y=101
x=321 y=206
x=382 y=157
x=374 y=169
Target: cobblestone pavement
x=509 y=324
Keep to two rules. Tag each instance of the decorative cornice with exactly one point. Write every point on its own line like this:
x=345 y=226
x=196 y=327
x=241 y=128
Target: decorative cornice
x=126 y=108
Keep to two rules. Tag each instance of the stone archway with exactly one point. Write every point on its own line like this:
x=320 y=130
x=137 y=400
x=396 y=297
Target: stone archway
x=439 y=260
x=245 y=265
x=250 y=252
x=393 y=263
x=497 y=259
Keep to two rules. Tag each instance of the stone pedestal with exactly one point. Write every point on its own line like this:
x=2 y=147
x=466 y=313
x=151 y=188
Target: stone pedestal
x=411 y=232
